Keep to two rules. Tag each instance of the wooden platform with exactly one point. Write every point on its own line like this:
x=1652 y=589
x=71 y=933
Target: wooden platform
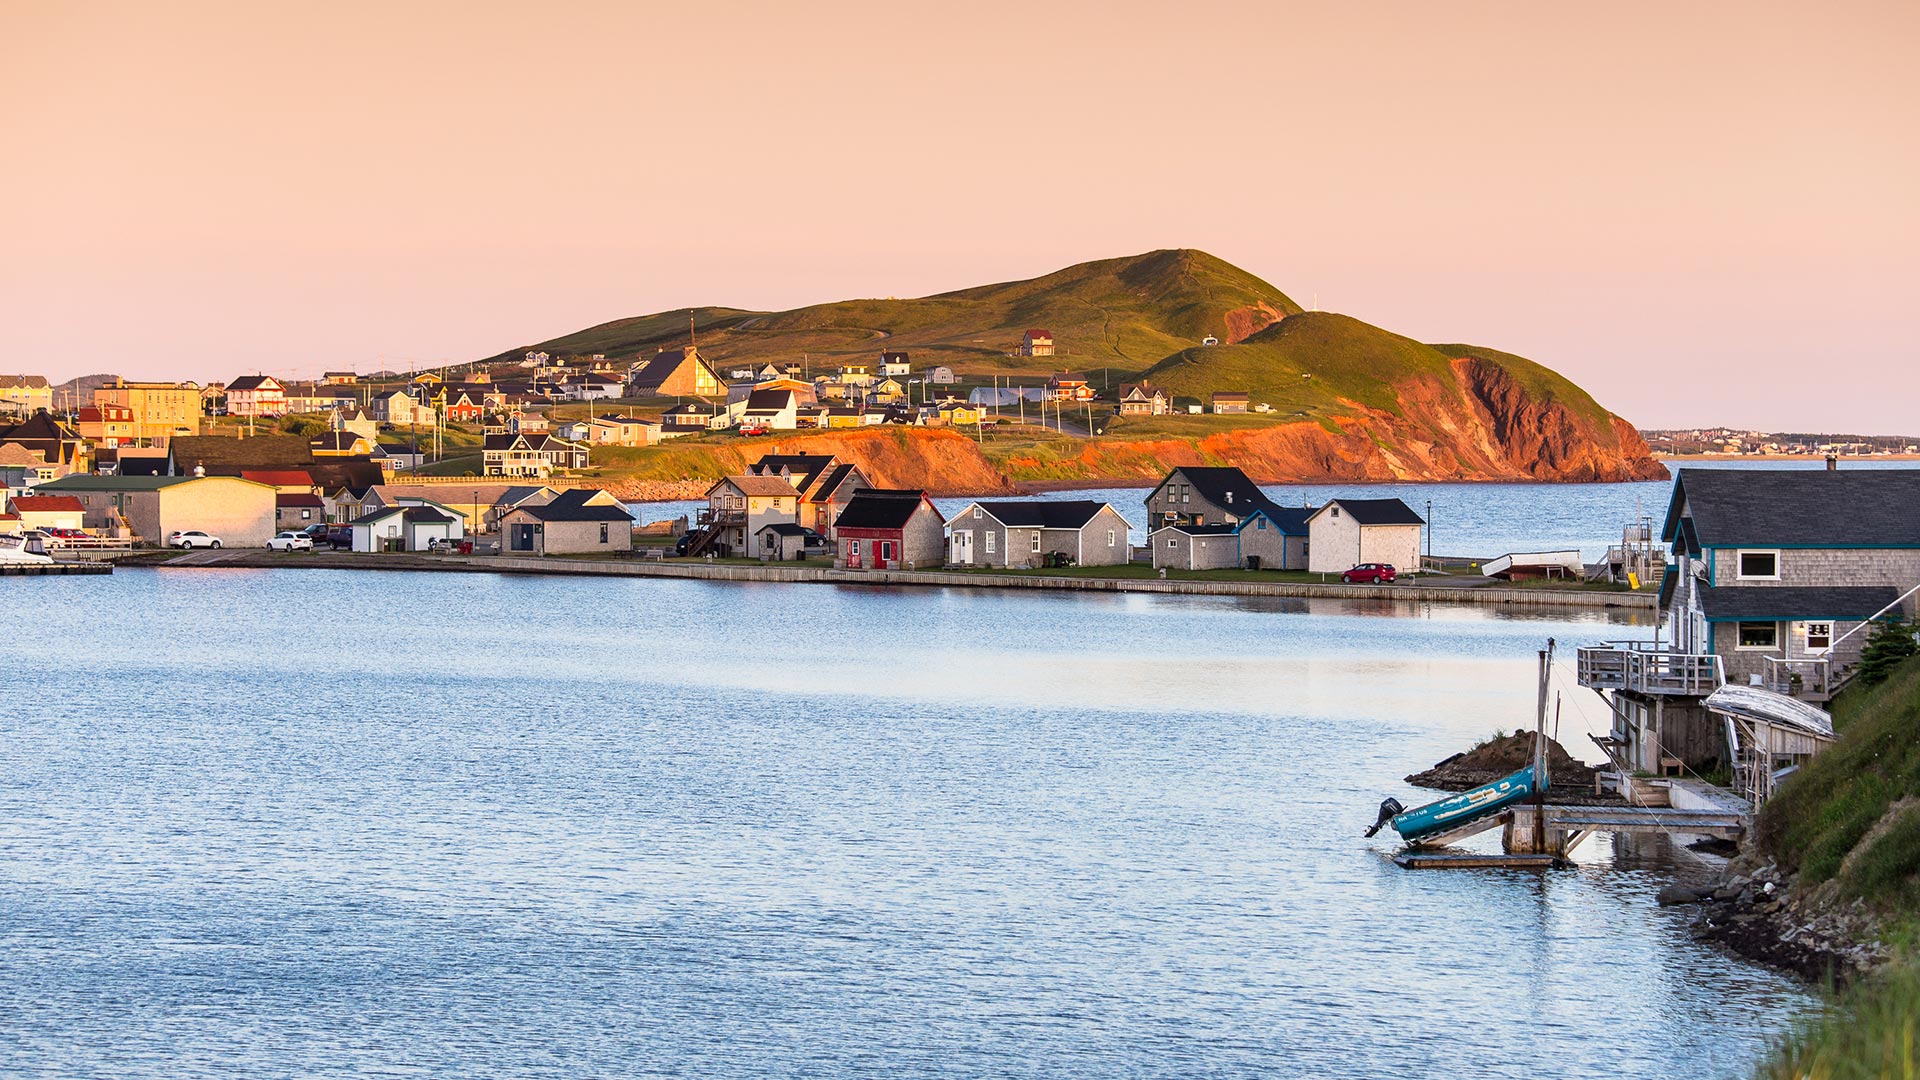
x=1418 y=859
x=1645 y=819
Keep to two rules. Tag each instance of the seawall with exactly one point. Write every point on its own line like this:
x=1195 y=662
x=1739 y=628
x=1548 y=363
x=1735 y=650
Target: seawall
x=774 y=572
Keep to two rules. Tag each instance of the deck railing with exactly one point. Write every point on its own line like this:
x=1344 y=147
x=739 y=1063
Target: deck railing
x=1642 y=667
x=1808 y=677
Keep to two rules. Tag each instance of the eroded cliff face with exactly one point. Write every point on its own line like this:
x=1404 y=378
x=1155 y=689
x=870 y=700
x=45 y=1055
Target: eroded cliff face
x=1480 y=425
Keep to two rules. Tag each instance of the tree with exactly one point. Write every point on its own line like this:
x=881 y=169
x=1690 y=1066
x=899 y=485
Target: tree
x=1892 y=642
x=303 y=425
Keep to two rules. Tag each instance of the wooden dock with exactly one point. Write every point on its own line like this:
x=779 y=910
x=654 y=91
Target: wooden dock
x=1543 y=837
x=1419 y=859
x=42 y=569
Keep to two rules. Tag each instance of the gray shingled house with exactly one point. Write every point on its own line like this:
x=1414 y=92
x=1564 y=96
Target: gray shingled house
x=1035 y=532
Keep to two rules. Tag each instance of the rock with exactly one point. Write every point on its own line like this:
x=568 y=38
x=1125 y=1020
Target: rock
x=1677 y=894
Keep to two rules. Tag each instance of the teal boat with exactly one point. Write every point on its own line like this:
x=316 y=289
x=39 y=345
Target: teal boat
x=1450 y=813
x=1456 y=810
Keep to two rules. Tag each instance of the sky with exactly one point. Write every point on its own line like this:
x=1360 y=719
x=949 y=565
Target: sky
x=1703 y=213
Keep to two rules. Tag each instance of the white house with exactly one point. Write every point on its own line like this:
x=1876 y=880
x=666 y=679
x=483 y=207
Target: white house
x=1347 y=532
x=411 y=525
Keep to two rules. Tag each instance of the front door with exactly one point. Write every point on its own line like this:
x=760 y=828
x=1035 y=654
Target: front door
x=523 y=538
x=963 y=548
x=882 y=554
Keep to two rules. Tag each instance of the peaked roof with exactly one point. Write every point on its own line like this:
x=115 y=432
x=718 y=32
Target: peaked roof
x=229 y=456
x=45 y=504
x=1226 y=486
x=877 y=508
x=830 y=483
x=573 y=505
x=760 y=485
x=27 y=382
x=649 y=372
x=253 y=382
x=769 y=400
x=1200 y=530
x=1045 y=514
x=1788 y=507
x=804 y=468
x=1377 y=511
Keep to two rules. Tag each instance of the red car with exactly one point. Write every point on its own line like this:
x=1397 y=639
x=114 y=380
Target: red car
x=1378 y=573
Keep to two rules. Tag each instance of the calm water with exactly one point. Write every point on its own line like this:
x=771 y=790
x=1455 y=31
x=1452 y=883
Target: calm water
x=1479 y=520
x=320 y=824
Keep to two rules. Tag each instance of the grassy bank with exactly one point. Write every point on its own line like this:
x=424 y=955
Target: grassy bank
x=1850 y=826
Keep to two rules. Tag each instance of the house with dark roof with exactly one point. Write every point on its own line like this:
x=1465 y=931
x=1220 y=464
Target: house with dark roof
x=771 y=409
x=256 y=395
x=1348 y=532
x=59 y=445
x=889 y=529
x=298 y=510
x=1036 y=343
x=1144 y=399
x=1776 y=578
x=1230 y=401
x=785 y=541
x=895 y=364
x=578 y=521
x=413 y=526
x=1038 y=532
x=531 y=454
x=1208 y=495
x=738 y=506
x=1272 y=538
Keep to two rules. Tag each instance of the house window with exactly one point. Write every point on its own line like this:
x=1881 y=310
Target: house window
x=990 y=537
x=1758 y=635
x=886 y=549
x=1036 y=542
x=1173 y=541
x=1761 y=565
x=853 y=548
x=976 y=513
x=1819 y=636
x=1336 y=511
x=1260 y=524
x=306 y=515
x=1109 y=537
x=603 y=532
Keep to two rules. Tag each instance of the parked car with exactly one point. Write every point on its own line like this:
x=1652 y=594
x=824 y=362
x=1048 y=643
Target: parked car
x=290 y=541
x=450 y=546
x=317 y=532
x=192 y=538
x=1378 y=573
x=339 y=537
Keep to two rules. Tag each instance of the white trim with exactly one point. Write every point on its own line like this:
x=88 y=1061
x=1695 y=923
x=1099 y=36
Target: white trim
x=1775 y=623
x=1739 y=571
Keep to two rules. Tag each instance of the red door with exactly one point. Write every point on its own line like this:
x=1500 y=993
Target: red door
x=882 y=554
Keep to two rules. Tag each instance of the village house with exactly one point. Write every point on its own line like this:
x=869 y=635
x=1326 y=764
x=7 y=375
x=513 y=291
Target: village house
x=160 y=410
x=21 y=469
x=57 y=444
x=825 y=484
x=889 y=529
x=107 y=427
x=297 y=511
x=1205 y=495
x=675 y=373
x=951 y=413
x=341 y=444
x=941 y=375
x=282 y=481
x=256 y=396
x=886 y=391
x=46 y=511
x=612 y=431
x=592 y=386
x=413 y=526
x=771 y=409
x=1230 y=401
x=1144 y=399
x=240 y=512
x=1348 y=532
x=1036 y=343
x=339 y=378
x=737 y=507
x=1068 y=387
x=578 y=521
x=895 y=365
x=1267 y=538
x=534 y=454
x=691 y=418
x=24 y=395
x=1079 y=532
x=399 y=408
x=1777 y=578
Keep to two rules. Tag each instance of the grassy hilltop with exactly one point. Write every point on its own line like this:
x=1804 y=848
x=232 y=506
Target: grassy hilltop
x=1342 y=399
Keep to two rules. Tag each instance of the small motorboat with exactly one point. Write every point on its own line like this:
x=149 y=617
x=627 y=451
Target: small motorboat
x=1454 y=811
x=15 y=550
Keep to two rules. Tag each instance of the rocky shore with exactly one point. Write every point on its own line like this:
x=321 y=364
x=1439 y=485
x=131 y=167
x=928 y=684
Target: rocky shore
x=1756 y=912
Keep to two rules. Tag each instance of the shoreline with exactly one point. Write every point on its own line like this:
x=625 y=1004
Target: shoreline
x=1844 y=459
x=1481 y=596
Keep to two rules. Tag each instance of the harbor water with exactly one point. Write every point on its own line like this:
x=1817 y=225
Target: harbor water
x=337 y=824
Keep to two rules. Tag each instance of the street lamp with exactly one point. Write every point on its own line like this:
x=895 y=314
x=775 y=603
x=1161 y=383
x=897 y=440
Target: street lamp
x=1429 y=530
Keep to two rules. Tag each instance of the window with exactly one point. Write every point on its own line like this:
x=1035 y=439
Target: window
x=853 y=548
x=886 y=549
x=603 y=532
x=306 y=515
x=1819 y=636
x=1036 y=542
x=1764 y=565
x=1109 y=537
x=1336 y=511
x=976 y=513
x=1260 y=524
x=1759 y=635
x=1173 y=541
x=990 y=538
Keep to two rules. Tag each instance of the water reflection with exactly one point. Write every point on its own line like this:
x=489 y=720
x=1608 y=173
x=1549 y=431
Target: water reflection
x=335 y=824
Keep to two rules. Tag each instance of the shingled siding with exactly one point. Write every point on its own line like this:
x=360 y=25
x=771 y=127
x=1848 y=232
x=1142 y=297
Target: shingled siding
x=1742 y=665
x=1899 y=567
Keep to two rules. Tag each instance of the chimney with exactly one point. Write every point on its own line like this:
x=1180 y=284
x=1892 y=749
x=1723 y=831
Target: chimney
x=1833 y=462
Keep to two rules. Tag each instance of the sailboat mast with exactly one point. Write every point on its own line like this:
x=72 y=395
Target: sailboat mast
x=1540 y=720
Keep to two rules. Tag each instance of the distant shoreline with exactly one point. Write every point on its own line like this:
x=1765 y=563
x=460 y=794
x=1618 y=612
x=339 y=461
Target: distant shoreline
x=1843 y=458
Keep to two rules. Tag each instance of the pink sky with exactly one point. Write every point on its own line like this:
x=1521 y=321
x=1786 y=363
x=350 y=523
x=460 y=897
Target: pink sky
x=1702 y=213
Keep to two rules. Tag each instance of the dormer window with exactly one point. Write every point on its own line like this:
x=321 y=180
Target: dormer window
x=1759 y=566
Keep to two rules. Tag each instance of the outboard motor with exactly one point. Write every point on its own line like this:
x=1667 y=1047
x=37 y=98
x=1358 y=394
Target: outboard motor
x=1390 y=808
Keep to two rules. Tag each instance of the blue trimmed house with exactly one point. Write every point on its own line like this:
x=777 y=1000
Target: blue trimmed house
x=1216 y=518
x=1776 y=574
